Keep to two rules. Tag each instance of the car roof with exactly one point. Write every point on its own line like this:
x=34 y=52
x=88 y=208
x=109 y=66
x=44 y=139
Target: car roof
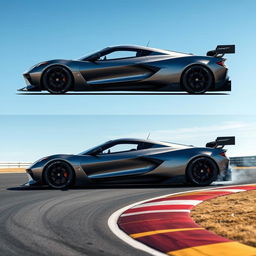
x=138 y=47
x=156 y=51
x=135 y=140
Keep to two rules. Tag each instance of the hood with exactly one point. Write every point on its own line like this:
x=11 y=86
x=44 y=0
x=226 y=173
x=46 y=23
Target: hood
x=51 y=157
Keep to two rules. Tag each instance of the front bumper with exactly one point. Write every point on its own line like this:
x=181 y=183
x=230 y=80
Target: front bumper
x=29 y=88
x=31 y=181
x=31 y=82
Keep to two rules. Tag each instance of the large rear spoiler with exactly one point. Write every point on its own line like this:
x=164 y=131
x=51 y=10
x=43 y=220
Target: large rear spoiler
x=221 y=50
x=220 y=142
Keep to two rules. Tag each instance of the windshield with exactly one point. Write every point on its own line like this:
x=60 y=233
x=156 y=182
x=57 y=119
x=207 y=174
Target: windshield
x=86 y=152
x=146 y=52
x=92 y=54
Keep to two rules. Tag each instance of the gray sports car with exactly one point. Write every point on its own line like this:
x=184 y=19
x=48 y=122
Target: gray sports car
x=133 y=68
x=135 y=161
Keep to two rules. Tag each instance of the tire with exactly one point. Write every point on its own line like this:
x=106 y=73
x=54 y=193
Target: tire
x=202 y=171
x=59 y=175
x=197 y=79
x=57 y=80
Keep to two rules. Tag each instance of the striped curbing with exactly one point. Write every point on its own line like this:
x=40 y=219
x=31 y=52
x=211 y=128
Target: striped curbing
x=164 y=225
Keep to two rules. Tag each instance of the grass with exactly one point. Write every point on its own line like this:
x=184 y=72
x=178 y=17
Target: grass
x=12 y=170
x=232 y=216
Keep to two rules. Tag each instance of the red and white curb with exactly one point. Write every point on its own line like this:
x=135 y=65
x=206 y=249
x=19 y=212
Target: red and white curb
x=162 y=225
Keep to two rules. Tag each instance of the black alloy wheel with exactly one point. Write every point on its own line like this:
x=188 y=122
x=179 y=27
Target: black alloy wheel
x=197 y=79
x=59 y=174
x=202 y=171
x=57 y=80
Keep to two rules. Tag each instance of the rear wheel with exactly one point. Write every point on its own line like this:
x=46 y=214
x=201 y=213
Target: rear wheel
x=202 y=171
x=57 y=79
x=197 y=79
x=59 y=174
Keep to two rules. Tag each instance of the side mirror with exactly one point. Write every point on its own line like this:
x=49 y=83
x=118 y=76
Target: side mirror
x=96 y=151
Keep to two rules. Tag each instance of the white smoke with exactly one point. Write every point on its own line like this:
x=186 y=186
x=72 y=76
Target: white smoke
x=240 y=175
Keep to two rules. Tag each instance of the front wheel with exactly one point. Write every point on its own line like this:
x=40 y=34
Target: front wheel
x=57 y=80
x=202 y=171
x=59 y=174
x=197 y=79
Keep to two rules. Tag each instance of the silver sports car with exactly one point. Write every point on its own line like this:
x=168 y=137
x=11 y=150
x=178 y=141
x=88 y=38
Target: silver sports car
x=135 y=161
x=133 y=68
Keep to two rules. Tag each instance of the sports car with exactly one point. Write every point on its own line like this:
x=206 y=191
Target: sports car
x=133 y=68
x=135 y=161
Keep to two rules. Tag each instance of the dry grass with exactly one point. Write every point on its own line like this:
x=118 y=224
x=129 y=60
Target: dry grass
x=12 y=170
x=232 y=216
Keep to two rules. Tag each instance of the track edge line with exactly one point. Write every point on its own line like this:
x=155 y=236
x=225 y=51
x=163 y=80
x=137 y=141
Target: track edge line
x=112 y=221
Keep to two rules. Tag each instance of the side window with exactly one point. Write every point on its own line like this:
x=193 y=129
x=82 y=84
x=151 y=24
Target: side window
x=120 y=148
x=119 y=55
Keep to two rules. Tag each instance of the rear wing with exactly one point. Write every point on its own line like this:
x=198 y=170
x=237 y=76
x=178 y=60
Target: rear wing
x=221 y=50
x=220 y=142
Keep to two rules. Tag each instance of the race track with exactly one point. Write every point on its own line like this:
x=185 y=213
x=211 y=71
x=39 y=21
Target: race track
x=70 y=222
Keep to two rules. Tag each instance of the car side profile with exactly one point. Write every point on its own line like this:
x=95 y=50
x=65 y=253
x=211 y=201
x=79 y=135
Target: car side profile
x=135 y=161
x=133 y=68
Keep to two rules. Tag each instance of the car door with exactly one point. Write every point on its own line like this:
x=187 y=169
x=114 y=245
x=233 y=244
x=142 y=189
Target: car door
x=117 y=165
x=113 y=73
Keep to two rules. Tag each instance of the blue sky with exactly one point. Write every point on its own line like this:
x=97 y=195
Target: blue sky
x=29 y=137
x=32 y=31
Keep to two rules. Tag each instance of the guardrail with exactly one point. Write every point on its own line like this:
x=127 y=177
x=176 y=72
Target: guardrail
x=245 y=161
x=14 y=165
x=235 y=161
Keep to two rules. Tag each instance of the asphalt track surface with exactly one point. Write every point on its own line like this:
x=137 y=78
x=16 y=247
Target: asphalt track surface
x=69 y=222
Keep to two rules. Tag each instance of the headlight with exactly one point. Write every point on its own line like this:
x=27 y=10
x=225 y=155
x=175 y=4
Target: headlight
x=41 y=63
x=36 y=162
x=36 y=66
